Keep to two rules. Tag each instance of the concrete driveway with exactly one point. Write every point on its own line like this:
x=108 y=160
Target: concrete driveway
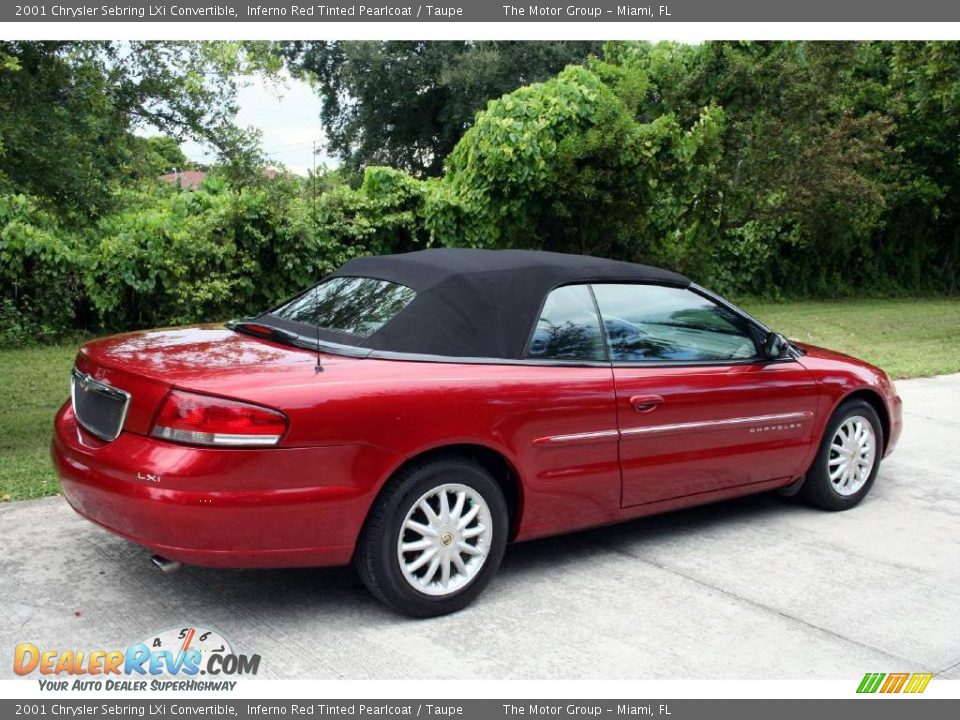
x=753 y=588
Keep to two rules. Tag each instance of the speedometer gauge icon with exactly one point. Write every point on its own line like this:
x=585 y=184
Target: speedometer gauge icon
x=181 y=640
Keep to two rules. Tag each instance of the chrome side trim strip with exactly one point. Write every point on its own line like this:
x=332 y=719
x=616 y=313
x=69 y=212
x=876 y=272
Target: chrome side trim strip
x=603 y=435
x=578 y=438
x=703 y=424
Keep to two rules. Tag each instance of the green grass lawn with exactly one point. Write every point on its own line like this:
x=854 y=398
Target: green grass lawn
x=34 y=382
x=908 y=338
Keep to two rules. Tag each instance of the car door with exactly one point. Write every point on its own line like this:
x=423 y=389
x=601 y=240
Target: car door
x=698 y=410
x=573 y=466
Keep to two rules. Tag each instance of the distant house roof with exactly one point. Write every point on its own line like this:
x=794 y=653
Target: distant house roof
x=187 y=179
x=193 y=179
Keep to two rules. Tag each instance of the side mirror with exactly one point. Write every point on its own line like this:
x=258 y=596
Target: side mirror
x=775 y=346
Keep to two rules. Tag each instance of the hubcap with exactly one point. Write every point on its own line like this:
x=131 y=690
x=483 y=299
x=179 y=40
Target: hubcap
x=445 y=539
x=853 y=452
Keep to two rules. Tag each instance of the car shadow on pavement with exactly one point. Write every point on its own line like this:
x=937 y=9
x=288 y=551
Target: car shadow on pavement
x=639 y=533
x=338 y=592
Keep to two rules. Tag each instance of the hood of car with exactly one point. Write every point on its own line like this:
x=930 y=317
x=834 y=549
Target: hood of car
x=827 y=354
x=825 y=359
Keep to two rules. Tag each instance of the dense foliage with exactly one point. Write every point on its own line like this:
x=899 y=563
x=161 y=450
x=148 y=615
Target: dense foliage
x=835 y=178
x=68 y=112
x=769 y=169
x=406 y=104
x=167 y=257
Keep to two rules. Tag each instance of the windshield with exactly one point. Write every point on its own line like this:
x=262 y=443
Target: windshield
x=353 y=305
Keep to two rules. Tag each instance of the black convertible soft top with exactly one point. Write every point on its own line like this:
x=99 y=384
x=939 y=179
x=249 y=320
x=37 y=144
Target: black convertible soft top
x=480 y=303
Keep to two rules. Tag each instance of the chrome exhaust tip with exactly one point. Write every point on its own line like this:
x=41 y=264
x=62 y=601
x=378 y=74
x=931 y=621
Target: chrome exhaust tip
x=164 y=565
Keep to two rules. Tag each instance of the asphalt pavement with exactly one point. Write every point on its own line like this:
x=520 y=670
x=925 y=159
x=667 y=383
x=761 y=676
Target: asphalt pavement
x=751 y=588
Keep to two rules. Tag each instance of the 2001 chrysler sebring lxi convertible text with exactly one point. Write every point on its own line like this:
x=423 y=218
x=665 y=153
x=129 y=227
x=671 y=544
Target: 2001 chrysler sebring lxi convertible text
x=414 y=413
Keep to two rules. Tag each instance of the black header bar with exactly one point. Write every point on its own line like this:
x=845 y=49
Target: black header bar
x=898 y=11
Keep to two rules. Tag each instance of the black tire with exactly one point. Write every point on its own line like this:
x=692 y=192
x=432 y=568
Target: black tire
x=376 y=557
x=817 y=489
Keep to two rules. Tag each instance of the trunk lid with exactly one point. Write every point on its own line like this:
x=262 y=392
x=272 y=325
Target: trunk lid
x=205 y=358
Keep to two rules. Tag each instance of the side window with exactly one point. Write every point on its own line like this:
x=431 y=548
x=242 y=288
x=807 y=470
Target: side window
x=650 y=323
x=568 y=328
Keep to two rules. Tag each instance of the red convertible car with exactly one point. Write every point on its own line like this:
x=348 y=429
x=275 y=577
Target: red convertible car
x=415 y=413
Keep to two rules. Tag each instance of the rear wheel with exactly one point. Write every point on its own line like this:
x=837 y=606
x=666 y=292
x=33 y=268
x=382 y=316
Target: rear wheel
x=848 y=459
x=434 y=538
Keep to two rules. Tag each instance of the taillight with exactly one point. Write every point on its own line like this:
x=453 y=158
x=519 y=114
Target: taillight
x=206 y=420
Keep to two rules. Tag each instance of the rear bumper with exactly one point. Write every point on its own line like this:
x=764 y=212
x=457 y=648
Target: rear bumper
x=272 y=507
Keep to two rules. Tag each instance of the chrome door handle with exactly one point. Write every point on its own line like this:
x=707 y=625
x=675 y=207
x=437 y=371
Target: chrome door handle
x=645 y=403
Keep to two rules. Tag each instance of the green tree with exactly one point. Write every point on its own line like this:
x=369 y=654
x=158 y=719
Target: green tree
x=406 y=104
x=158 y=154
x=68 y=109
x=922 y=239
x=566 y=165
x=807 y=163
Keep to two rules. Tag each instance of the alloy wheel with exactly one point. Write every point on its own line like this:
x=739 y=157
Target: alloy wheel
x=853 y=452
x=445 y=539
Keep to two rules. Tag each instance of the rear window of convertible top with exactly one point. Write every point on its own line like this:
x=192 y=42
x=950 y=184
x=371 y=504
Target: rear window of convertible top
x=353 y=305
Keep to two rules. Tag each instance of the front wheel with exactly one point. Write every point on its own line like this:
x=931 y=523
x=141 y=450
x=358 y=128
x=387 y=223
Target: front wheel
x=848 y=459
x=434 y=538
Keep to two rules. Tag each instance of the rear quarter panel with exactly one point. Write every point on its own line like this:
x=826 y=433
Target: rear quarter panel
x=408 y=408
x=391 y=410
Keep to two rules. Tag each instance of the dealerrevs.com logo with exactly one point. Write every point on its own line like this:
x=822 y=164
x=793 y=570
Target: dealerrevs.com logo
x=888 y=683
x=183 y=659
